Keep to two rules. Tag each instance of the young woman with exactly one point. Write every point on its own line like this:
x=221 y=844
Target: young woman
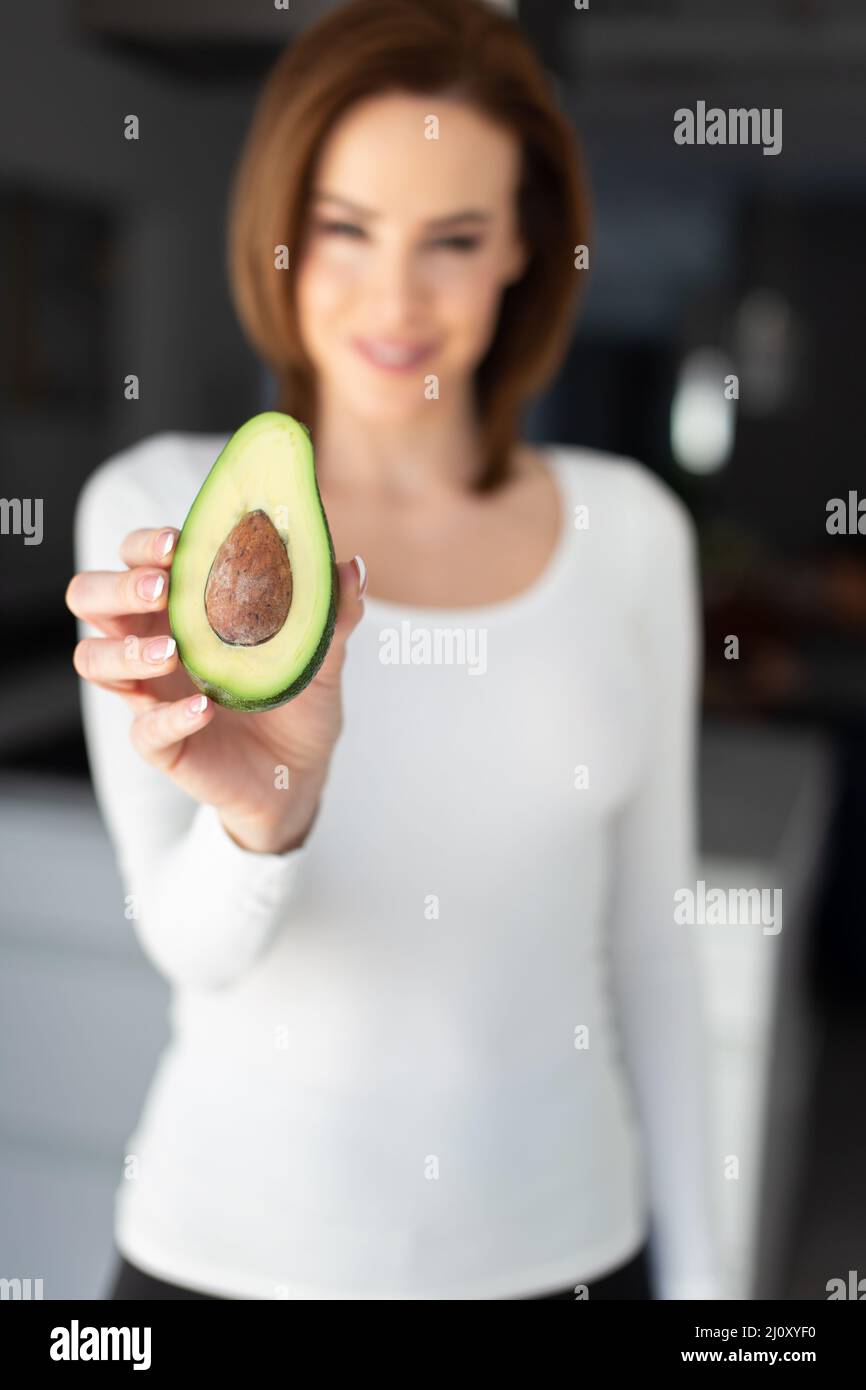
x=435 y=1031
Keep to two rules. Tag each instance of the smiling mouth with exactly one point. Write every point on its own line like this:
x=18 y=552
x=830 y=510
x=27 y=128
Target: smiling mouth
x=392 y=356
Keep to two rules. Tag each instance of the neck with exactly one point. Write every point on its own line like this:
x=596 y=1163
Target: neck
x=435 y=454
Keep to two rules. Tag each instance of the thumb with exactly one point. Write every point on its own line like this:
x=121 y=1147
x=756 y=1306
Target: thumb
x=351 y=583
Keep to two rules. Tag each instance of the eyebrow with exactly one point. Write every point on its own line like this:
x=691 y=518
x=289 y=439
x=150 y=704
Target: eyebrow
x=465 y=214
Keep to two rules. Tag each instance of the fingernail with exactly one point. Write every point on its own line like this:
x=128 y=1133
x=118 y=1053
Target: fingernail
x=164 y=542
x=197 y=706
x=151 y=586
x=160 y=649
x=362 y=574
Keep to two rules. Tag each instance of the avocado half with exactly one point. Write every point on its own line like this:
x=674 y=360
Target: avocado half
x=253 y=587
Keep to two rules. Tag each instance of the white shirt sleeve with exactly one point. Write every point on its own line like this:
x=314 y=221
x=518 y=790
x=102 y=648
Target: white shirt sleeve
x=661 y=1013
x=203 y=908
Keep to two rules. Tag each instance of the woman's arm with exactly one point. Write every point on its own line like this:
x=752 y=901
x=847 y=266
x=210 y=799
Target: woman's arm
x=203 y=907
x=653 y=958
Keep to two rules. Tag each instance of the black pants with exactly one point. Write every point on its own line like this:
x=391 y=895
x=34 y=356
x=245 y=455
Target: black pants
x=630 y=1280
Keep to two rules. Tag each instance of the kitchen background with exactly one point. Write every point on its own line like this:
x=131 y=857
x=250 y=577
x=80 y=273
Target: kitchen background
x=705 y=261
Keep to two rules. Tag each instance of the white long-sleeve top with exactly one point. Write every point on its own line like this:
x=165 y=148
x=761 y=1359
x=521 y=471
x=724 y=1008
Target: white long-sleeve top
x=452 y=1046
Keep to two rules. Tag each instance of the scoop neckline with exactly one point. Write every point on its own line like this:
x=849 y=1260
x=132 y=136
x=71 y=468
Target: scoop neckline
x=519 y=603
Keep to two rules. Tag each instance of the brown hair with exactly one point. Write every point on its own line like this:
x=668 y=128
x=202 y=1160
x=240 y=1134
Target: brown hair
x=460 y=48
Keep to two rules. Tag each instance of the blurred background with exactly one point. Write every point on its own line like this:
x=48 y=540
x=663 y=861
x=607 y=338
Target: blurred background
x=706 y=262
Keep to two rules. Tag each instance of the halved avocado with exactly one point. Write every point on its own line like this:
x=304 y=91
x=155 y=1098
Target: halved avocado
x=253 y=587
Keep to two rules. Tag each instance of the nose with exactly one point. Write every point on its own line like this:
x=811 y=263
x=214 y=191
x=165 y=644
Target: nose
x=396 y=287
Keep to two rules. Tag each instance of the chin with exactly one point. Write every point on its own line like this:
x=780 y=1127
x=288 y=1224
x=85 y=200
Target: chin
x=388 y=402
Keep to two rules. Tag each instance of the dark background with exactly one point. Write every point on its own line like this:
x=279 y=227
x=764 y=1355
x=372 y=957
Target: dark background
x=112 y=262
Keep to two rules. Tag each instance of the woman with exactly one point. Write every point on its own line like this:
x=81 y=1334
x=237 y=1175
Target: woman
x=435 y=1032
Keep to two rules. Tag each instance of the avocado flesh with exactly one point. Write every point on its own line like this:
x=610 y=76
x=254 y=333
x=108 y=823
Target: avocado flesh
x=262 y=486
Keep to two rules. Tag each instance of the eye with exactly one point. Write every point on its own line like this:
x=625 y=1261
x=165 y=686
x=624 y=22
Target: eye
x=340 y=228
x=458 y=243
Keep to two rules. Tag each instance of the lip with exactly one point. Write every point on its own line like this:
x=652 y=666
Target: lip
x=415 y=354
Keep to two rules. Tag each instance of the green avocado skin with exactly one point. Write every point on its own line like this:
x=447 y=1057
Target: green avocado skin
x=229 y=699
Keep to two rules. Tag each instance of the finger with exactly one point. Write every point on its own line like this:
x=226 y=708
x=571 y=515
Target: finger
x=149 y=547
x=352 y=581
x=158 y=734
x=123 y=659
x=94 y=594
x=135 y=694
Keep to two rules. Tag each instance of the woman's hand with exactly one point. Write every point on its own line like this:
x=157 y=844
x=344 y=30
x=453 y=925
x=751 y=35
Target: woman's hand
x=220 y=757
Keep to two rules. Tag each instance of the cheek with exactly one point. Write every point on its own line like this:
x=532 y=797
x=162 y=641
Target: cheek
x=468 y=300
x=326 y=283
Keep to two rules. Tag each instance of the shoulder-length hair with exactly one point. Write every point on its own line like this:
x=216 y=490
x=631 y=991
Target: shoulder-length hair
x=462 y=49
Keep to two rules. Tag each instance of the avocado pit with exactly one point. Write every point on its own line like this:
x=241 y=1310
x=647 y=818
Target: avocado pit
x=249 y=587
